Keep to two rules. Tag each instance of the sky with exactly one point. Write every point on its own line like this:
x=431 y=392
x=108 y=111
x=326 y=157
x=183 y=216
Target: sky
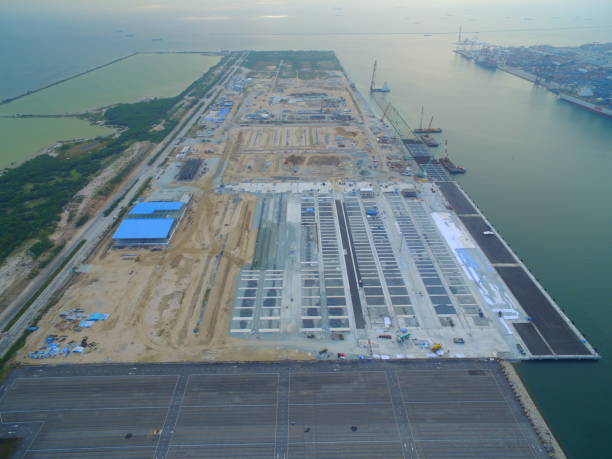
x=320 y=16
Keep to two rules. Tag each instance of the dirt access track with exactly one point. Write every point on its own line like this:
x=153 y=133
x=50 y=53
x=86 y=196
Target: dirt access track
x=170 y=305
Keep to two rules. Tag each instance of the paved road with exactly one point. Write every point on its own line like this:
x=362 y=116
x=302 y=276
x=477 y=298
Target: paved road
x=95 y=231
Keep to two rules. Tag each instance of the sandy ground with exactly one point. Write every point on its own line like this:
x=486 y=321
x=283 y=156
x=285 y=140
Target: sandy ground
x=295 y=151
x=14 y=271
x=170 y=305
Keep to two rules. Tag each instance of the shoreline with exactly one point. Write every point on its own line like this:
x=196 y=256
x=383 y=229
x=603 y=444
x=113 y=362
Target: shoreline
x=63 y=80
x=531 y=410
x=8 y=100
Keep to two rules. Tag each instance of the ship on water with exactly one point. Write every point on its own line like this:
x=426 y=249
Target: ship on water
x=450 y=166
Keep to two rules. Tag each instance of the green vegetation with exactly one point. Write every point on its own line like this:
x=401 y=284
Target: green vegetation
x=40 y=247
x=305 y=64
x=200 y=87
x=67 y=150
x=49 y=256
x=25 y=138
x=33 y=195
x=8 y=447
x=141 y=117
x=81 y=220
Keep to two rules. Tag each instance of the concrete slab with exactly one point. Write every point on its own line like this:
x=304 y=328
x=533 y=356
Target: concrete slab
x=358 y=409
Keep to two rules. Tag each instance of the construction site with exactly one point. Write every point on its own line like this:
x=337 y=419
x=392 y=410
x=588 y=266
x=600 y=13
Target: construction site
x=301 y=224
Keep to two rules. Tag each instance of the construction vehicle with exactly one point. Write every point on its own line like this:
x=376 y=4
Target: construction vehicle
x=403 y=337
x=436 y=347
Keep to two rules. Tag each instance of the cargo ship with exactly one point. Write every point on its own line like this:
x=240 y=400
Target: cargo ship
x=429 y=140
x=604 y=111
x=451 y=167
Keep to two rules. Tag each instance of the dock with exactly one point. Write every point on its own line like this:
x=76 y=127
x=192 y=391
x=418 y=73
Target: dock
x=549 y=334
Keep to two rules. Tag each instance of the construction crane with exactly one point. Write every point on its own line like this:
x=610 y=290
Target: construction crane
x=428 y=129
x=373 y=87
x=373 y=81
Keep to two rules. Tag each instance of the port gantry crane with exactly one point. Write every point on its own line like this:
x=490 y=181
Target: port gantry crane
x=401 y=127
x=373 y=87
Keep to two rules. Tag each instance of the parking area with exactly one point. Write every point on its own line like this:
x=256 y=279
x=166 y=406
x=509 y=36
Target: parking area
x=367 y=409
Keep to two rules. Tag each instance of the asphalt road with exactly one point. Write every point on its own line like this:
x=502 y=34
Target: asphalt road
x=95 y=230
x=546 y=318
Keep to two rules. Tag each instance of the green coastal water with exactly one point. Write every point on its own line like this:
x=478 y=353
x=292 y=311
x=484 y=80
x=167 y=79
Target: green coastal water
x=147 y=75
x=140 y=76
x=22 y=138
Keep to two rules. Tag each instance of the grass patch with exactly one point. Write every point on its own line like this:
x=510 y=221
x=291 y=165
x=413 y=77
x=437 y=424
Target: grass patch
x=81 y=220
x=261 y=61
x=69 y=150
x=8 y=447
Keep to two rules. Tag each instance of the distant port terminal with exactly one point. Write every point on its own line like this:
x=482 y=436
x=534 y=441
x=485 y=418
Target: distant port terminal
x=579 y=75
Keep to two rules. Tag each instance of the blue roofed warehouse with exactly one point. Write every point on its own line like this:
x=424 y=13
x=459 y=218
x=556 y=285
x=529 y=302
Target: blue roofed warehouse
x=156 y=209
x=144 y=232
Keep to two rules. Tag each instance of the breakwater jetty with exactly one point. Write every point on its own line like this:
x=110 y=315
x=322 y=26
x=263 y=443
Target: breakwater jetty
x=101 y=66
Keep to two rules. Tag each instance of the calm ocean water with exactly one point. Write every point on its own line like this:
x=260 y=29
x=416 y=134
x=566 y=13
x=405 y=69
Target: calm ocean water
x=539 y=168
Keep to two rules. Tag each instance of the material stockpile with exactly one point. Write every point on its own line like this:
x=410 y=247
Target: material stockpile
x=77 y=319
x=72 y=320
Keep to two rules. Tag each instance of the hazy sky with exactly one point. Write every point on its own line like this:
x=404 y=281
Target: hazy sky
x=285 y=15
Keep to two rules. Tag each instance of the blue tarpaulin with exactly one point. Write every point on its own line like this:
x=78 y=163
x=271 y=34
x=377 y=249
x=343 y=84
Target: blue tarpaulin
x=98 y=316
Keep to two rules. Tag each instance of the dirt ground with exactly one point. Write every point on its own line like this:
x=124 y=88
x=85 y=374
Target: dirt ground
x=156 y=302
x=15 y=270
x=307 y=152
x=175 y=304
x=168 y=305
